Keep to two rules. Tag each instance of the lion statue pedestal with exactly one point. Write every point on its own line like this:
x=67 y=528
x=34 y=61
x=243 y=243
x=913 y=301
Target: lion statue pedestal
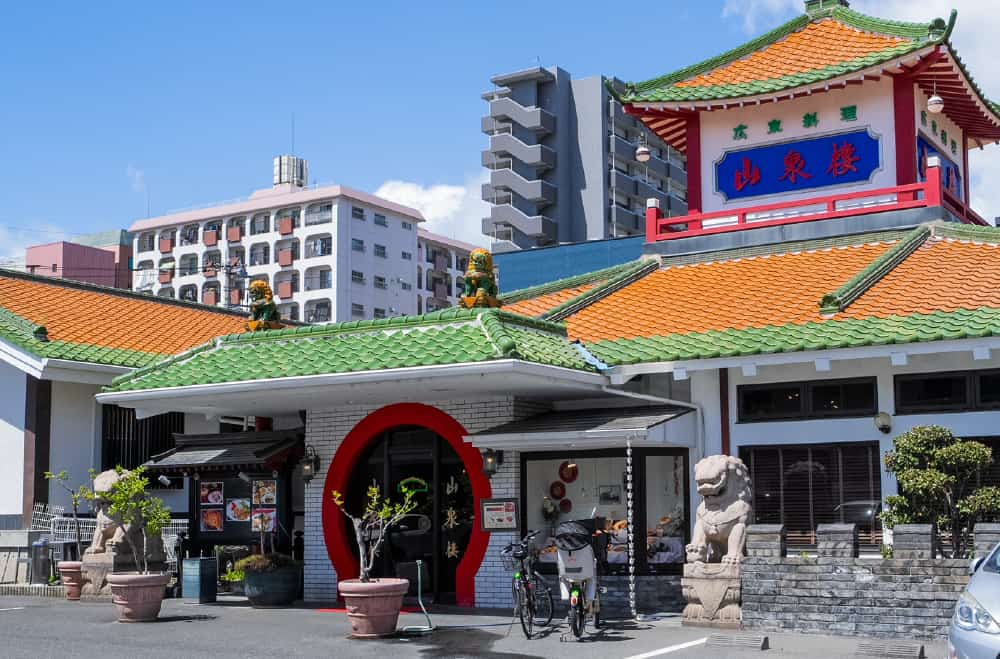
x=109 y=551
x=711 y=581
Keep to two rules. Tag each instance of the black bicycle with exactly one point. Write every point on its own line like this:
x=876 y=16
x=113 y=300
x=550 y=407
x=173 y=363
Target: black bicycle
x=532 y=598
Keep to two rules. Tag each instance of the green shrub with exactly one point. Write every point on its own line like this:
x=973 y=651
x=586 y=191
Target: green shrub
x=265 y=562
x=233 y=576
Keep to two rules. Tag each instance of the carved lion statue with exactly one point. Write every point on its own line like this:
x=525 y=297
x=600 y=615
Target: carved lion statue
x=722 y=518
x=107 y=533
x=480 y=281
x=264 y=312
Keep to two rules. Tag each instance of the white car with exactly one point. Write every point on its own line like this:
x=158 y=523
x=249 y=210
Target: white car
x=974 y=632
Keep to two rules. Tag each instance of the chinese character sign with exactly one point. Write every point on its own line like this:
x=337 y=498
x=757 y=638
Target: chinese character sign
x=805 y=164
x=951 y=175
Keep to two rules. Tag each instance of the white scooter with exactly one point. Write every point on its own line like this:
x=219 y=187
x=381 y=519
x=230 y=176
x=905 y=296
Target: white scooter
x=578 y=581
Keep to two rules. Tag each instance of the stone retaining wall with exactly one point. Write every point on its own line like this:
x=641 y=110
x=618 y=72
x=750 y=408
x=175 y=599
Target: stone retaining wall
x=837 y=592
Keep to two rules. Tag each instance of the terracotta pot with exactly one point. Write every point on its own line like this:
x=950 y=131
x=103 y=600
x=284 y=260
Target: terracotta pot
x=277 y=587
x=137 y=596
x=373 y=607
x=71 y=573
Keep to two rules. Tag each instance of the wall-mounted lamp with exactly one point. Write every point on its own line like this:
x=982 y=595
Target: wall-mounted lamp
x=243 y=476
x=883 y=422
x=491 y=462
x=310 y=464
x=163 y=480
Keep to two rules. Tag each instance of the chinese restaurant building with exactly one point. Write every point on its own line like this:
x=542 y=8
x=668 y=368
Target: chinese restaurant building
x=829 y=289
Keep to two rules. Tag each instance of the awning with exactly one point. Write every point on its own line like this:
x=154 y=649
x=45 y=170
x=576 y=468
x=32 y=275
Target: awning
x=594 y=428
x=269 y=450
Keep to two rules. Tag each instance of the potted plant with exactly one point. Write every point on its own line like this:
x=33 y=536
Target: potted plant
x=232 y=581
x=137 y=595
x=373 y=604
x=71 y=572
x=270 y=579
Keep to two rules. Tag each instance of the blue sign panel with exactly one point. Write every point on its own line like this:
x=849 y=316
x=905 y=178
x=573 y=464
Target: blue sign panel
x=800 y=165
x=951 y=177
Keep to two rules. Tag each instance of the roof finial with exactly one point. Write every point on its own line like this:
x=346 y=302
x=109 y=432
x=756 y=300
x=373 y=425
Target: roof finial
x=816 y=6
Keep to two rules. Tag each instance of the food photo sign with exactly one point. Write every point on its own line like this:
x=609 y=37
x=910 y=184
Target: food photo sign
x=499 y=515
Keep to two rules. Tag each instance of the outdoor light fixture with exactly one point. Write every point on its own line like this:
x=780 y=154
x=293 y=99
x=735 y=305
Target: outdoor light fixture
x=491 y=461
x=883 y=422
x=243 y=476
x=642 y=153
x=310 y=464
x=163 y=480
x=935 y=103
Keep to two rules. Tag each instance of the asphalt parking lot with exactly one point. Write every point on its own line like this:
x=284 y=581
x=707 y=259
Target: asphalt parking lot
x=39 y=627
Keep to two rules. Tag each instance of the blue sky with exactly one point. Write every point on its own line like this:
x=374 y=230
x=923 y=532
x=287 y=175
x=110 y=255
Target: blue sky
x=104 y=103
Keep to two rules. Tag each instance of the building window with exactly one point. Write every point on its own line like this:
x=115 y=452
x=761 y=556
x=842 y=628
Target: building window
x=189 y=235
x=259 y=254
x=318 y=311
x=129 y=442
x=320 y=214
x=147 y=242
x=357 y=309
x=807 y=400
x=407 y=256
x=319 y=247
x=380 y=220
x=406 y=286
x=260 y=224
x=357 y=277
x=660 y=506
x=407 y=225
x=380 y=282
x=357 y=213
x=357 y=244
x=803 y=486
x=378 y=313
x=947 y=392
x=462 y=262
x=380 y=251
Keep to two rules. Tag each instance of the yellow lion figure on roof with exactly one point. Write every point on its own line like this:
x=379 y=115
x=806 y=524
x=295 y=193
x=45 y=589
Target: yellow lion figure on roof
x=264 y=312
x=480 y=281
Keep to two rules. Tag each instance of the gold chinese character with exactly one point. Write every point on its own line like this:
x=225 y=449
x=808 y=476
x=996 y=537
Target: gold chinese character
x=452 y=520
x=452 y=550
x=451 y=487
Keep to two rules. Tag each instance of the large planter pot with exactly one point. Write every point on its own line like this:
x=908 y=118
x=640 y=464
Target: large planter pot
x=137 y=596
x=71 y=573
x=373 y=607
x=277 y=587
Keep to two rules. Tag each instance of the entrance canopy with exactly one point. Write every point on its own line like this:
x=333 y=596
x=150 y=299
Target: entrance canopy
x=594 y=428
x=269 y=451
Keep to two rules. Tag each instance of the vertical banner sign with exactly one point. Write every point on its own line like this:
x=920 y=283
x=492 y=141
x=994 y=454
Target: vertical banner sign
x=807 y=164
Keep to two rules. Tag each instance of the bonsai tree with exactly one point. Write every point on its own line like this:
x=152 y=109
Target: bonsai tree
x=76 y=496
x=938 y=476
x=129 y=505
x=370 y=527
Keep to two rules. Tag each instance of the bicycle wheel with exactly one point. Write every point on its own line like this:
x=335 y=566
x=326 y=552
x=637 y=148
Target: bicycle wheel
x=577 y=618
x=524 y=608
x=543 y=601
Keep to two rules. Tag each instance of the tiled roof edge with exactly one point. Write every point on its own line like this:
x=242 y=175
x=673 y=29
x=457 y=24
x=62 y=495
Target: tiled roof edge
x=966 y=232
x=904 y=29
x=559 y=284
x=569 y=307
x=497 y=335
x=856 y=286
x=22 y=324
x=139 y=373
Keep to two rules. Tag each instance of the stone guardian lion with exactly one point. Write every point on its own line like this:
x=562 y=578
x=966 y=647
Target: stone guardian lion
x=720 y=526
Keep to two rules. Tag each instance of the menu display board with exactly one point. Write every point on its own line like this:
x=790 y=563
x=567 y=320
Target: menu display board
x=499 y=515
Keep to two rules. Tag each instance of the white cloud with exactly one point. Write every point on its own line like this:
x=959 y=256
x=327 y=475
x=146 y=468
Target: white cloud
x=136 y=177
x=455 y=211
x=978 y=22
x=14 y=240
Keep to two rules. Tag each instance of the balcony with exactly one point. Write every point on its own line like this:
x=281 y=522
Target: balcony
x=536 y=119
x=210 y=296
x=210 y=237
x=627 y=219
x=235 y=296
x=531 y=225
x=234 y=234
x=286 y=257
x=166 y=245
x=166 y=276
x=535 y=155
x=287 y=289
x=440 y=290
x=535 y=190
x=928 y=194
x=286 y=225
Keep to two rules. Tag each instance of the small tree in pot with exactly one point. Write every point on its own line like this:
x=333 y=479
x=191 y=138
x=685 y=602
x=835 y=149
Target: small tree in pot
x=140 y=518
x=71 y=572
x=270 y=579
x=373 y=604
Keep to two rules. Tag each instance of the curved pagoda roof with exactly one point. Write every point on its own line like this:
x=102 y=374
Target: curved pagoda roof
x=828 y=47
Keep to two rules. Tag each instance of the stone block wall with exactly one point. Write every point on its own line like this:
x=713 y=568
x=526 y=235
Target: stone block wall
x=326 y=429
x=659 y=593
x=986 y=538
x=910 y=598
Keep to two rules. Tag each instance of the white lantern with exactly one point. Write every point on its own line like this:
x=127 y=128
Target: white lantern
x=642 y=153
x=935 y=104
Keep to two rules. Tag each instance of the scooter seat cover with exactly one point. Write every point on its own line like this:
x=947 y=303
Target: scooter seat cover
x=572 y=536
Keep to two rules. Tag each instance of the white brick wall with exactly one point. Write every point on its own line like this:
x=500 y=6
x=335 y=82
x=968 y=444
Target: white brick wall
x=325 y=429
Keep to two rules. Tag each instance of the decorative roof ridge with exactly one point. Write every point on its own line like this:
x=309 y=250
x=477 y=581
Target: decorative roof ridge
x=637 y=271
x=566 y=282
x=498 y=336
x=120 y=292
x=890 y=27
x=977 y=90
x=966 y=232
x=21 y=324
x=859 y=284
x=163 y=363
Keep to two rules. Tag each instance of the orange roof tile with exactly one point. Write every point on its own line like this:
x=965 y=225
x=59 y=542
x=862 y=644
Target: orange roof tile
x=824 y=43
x=113 y=320
x=739 y=293
x=942 y=275
x=536 y=306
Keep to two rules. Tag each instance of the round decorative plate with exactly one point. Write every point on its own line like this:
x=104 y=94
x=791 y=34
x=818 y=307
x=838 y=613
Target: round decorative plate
x=557 y=490
x=568 y=471
x=565 y=506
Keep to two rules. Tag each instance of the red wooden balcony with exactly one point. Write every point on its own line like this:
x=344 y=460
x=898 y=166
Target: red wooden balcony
x=210 y=237
x=285 y=256
x=234 y=234
x=930 y=193
x=286 y=225
x=166 y=245
x=166 y=276
x=210 y=296
x=286 y=289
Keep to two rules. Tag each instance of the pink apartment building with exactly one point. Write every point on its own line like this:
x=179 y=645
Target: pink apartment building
x=103 y=258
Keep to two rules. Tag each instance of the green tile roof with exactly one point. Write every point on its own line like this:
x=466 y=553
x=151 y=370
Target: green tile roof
x=828 y=334
x=451 y=336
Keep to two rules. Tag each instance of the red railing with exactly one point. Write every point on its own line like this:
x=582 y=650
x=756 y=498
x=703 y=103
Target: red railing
x=900 y=197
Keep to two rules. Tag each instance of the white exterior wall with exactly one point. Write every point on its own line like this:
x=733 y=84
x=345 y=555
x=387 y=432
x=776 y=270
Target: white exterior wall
x=13 y=383
x=875 y=111
x=326 y=429
x=823 y=431
x=75 y=437
x=943 y=123
x=341 y=260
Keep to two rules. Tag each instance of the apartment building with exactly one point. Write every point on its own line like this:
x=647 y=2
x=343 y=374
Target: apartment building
x=329 y=253
x=562 y=162
x=103 y=258
x=441 y=264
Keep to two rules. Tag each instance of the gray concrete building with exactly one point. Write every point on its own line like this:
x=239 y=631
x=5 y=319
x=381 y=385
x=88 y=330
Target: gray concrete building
x=562 y=162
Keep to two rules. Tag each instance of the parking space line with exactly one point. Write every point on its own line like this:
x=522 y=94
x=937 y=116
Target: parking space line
x=668 y=650
x=13 y=608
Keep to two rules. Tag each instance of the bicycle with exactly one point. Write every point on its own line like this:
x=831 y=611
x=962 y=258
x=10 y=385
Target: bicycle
x=532 y=598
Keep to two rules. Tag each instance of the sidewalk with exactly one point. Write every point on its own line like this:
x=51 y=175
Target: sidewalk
x=36 y=627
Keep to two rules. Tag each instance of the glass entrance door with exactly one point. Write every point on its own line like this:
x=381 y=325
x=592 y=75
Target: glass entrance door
x=437 y=531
